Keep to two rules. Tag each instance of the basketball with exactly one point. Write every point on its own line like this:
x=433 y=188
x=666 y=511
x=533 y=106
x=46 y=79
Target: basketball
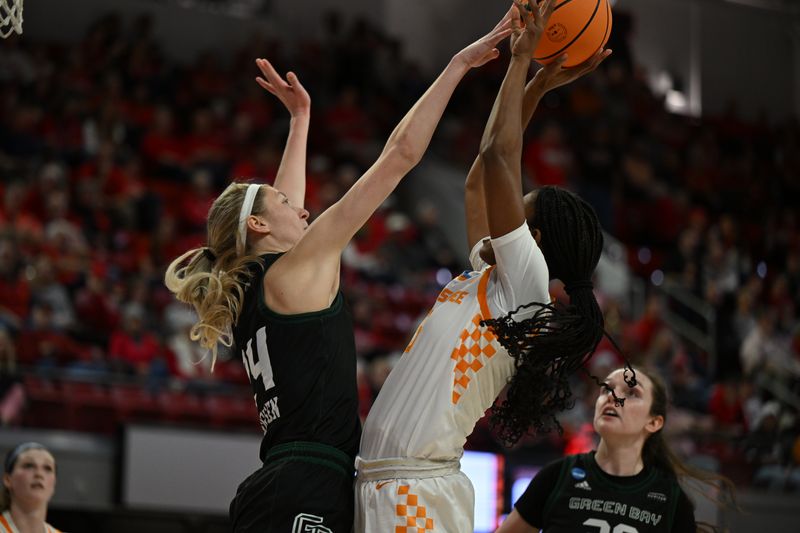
x=578 y=27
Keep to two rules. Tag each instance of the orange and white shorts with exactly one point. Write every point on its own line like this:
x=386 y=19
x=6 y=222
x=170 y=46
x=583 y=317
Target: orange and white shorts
x=413 y=496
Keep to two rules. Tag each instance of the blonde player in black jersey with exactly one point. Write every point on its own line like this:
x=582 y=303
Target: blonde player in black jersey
x=268 y=283
x=29 y=479
x=630 y=484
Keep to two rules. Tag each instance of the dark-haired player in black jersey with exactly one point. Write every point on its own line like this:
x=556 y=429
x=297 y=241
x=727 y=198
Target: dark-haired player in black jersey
x=630 y=484
x=267 y=284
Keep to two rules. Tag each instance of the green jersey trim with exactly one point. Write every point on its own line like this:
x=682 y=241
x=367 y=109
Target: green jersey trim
x=310 y=452
x=313 y=460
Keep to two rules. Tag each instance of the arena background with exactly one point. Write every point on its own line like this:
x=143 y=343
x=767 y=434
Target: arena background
x=120 y=121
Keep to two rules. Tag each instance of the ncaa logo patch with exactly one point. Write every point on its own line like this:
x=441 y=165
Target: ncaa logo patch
x=309 y=523
x=578 y=473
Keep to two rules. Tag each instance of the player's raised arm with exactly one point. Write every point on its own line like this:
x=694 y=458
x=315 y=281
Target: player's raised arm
x=475 y=204
x=314 y=262
x=501 y=146
x=409 y=140
x=291 y=176
x=547 y=78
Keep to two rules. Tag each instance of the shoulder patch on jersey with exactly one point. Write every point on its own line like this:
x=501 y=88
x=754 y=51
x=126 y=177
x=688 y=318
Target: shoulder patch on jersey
x=578 y=473
x=468 y=274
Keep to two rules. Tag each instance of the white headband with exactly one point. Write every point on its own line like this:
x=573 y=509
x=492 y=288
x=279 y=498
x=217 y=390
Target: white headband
x=247 y=208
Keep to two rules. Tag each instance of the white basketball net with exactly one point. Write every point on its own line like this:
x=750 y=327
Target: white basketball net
x=10 y=17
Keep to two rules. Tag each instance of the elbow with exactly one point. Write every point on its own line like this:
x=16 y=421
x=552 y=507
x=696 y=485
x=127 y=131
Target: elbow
x=402 y=150
x=475 y=177
x=495 y=149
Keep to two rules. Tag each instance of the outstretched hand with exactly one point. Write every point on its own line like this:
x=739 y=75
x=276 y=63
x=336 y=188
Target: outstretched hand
x=484 y=49
x=555 y=75
x=529 y=21
x=290 y=91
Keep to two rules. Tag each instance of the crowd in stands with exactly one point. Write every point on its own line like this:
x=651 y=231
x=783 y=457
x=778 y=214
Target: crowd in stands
x=111 y=154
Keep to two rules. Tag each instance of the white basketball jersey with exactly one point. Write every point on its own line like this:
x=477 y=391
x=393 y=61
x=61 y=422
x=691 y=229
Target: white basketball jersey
x=454 y=368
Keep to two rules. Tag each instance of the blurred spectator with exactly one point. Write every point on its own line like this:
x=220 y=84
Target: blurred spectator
x=96 y=305
x=132 y=349
x=13 y=218
x=726 y=408
x=435 y=245
x=196 y=201
x=162 y=146
x=12 y=393
x=43 y=344
x=347 y=122
x=15 y=293
x=721 y=264
x=192 y=361
x=643 y=330
x=766 y=349
x=548 y=159
x=47 y=290
x=206 y=142
x=770 y=449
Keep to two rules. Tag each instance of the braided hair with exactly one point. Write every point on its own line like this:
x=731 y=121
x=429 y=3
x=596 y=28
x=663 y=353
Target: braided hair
x=556 y=340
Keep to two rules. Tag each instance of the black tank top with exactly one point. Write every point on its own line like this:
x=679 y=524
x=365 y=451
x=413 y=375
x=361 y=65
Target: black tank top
x=586 y=499
x=302 y=369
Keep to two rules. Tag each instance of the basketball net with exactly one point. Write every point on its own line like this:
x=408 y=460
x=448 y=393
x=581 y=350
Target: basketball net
x=10 y=17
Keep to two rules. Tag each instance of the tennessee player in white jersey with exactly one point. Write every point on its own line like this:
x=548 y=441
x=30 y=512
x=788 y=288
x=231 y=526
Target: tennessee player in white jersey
x=454 y=367
x=429 y=404
x=449 y=394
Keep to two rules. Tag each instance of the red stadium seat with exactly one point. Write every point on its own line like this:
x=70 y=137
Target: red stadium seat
x=135 y=404
x=233 y=412
x=183 y=408
x=45 y=403
x=89 y=407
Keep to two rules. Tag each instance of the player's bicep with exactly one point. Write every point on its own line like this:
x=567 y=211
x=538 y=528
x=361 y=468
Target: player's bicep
x=503 y=192
x=475 y=204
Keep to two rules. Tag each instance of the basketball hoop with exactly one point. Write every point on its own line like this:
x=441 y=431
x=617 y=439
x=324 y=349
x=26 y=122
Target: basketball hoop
x=10 y=17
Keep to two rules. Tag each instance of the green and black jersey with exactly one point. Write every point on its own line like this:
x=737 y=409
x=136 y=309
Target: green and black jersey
x=573 y=495
x=302 y=369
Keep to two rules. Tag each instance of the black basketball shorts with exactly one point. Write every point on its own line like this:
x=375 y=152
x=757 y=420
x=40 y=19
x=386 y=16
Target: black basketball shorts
x=303 y=487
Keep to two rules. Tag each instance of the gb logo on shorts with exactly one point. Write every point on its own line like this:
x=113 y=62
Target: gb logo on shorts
x=309 y=523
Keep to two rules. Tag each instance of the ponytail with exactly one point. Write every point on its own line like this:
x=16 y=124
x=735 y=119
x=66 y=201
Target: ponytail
x=213 y=279
x=557 y=340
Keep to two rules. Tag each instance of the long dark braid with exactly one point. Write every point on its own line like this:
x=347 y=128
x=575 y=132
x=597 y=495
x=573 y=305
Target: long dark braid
x=551 y=345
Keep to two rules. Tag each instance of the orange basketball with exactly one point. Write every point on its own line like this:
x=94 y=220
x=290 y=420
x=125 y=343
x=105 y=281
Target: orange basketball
x=578 y=27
